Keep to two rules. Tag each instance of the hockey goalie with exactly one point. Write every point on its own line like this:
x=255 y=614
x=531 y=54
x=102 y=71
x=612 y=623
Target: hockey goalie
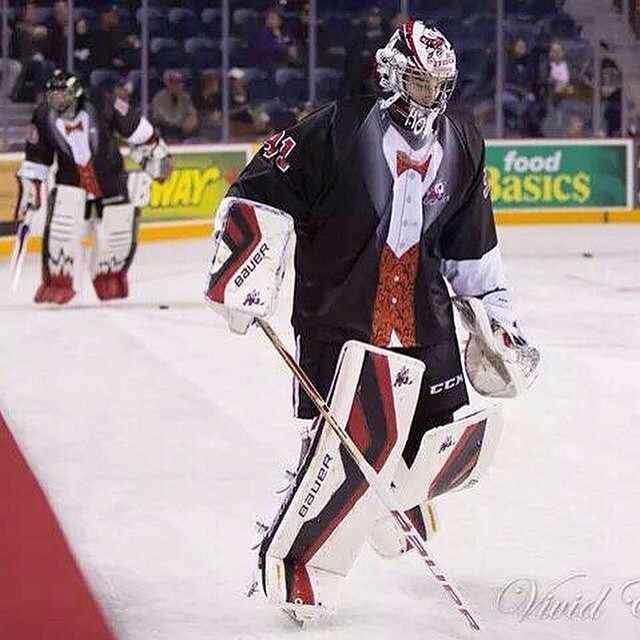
x=77 y=127
x=388 y=200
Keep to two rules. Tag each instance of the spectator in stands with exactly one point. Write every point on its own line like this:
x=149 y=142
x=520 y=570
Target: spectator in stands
x=208 y=101
x=520 y=86
x=558 y=75
x=111 y=47
x=369 y=37
x=611 y=92
x=273 y=45
x=576 y=127
x=245 y=120
x=633 y=120
x=172 y=110
x=519 y=76
x=28 y=46
x=57 y=35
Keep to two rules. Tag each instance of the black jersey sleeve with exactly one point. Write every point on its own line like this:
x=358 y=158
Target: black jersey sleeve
x=38 y=148
x=293 y=167
x=471 y=233
x=123 y=118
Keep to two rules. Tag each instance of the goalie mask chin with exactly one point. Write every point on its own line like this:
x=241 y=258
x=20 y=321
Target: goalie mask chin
x=416 y=74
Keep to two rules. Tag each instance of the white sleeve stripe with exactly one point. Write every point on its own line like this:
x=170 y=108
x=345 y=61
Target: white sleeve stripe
x=475 y=277
x=33 y=170
x=143 y=132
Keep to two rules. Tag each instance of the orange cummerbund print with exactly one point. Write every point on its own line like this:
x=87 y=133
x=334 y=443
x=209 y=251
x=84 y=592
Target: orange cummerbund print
x=394 y=308
x=89 y=180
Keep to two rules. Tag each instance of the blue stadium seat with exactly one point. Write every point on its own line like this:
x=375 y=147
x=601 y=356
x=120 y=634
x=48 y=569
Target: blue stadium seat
x=338 y=31
x=85 y=13
x=104 y=79
x=184 y=23
x=284 y=74
x=329 y=84
x=240 y=53
x=246 y=21
x=294 y=91
x=212 y=22
x=167 y=53
x=473 y=63
x=203 y=52
x=562 y=25
x=259 y=86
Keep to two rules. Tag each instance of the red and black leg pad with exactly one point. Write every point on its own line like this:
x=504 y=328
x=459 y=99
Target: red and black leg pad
x=328 y=513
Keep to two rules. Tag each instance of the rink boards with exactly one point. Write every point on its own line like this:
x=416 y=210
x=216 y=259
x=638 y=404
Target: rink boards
x=532 y=182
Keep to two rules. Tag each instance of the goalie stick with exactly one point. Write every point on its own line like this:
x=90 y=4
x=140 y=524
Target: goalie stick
x=20 y=249
x=385 y=494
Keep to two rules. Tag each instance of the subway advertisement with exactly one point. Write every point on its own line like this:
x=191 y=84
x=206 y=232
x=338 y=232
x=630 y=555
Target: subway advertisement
x=560 y=175
x=200 y=178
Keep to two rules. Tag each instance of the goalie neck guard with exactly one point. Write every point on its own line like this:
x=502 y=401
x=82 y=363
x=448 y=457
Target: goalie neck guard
x=416 y=73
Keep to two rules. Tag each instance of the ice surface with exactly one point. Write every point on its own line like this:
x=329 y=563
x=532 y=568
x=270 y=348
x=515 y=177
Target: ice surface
x=160 y=438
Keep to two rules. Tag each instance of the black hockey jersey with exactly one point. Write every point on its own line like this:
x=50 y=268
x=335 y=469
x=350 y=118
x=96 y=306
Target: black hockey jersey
x=379 y=220
x=85 y=147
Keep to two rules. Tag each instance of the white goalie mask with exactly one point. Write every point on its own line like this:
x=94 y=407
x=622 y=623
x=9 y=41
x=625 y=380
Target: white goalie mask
x=416 y=74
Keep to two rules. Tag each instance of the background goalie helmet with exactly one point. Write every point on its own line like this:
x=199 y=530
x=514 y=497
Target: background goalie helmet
x=416 y=74
x=62 y=93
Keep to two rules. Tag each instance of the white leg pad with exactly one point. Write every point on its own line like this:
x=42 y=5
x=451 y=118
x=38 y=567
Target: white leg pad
x=329 y=511
x=115 y=239
x=61 y=245
x=451 y=457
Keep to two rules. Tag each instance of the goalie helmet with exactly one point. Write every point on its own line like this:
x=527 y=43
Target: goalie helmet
x=416 y=74
x=63 y=92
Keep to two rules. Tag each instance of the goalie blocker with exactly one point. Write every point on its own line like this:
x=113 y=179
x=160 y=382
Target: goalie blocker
x=250 y=251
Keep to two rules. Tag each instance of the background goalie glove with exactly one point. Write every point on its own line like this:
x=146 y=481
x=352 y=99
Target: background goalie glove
x=498 y=360
x=250 y=252
x=154 y=158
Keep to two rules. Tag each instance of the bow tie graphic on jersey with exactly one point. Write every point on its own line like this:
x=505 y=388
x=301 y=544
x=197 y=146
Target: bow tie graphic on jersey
x=70 y=128
x=404 y=162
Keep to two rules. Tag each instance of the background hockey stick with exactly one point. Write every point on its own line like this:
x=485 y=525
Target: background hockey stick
x=384 y=492
x=19 y=250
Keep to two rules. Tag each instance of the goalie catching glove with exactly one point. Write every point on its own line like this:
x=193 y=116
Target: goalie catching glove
x=498 y=360
x=154 y=158
x=249 y=257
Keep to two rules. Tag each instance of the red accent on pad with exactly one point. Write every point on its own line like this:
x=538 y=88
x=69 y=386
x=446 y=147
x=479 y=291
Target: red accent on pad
x=300 y=589
x=384 y=383
x=55 y=288
x=216 y=289
x=457 y=468
x=111 y=286
x=357 y=426
x=43 y=595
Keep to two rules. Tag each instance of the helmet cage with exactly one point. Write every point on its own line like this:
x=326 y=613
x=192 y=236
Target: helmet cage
x=62 y=94
x=425 y=90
